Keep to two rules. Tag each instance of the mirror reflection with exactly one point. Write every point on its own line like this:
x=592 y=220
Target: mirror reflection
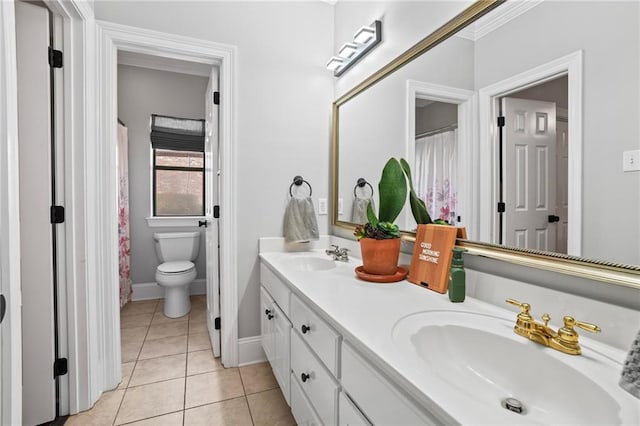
x=565 y=77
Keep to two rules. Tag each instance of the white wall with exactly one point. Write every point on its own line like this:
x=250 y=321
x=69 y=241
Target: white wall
x=283 y=107
x=142 y=92
x=435 y=116
x=611 y=198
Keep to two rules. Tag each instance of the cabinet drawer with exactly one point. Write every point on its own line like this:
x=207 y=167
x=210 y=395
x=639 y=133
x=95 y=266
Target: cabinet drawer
x=301 y=408
x=382 y=402
x=319 y=335
x=349 y=414
x=318 y=384
x=276 y=288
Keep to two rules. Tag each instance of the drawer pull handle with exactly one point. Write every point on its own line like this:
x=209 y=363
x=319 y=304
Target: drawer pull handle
x=304 y=377
x=305 y=328
x=267 y=311
x=269 y=316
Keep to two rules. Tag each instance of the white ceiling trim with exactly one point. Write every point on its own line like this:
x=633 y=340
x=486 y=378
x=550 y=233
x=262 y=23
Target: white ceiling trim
x=497 y=18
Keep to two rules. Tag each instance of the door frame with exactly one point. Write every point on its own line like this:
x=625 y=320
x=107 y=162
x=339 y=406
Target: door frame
x=487 y=153
x=466 y=128
x=111 y=38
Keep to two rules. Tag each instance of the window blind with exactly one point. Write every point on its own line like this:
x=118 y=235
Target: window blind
x=179 y=134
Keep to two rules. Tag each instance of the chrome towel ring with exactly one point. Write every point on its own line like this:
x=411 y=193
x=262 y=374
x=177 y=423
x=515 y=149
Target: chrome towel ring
x=361 y=183
x=297 y=181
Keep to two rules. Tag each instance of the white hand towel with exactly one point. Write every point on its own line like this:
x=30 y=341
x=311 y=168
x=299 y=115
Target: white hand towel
x=300 y=224
x=630 y=380
x=359 y=210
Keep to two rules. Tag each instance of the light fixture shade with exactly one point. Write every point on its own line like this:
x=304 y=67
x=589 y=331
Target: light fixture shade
x=334 y=63
x=364 y=34
x=347 y=50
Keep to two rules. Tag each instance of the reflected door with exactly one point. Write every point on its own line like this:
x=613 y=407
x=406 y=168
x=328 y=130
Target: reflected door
x=529 y=165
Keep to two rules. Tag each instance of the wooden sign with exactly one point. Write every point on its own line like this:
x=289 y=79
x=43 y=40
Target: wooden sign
x=432 y=255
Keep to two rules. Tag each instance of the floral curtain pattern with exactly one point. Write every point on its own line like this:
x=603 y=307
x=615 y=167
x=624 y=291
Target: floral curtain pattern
x=123 y=216
x=435 y=176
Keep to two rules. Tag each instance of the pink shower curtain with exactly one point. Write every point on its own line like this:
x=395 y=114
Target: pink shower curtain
x=123 y=215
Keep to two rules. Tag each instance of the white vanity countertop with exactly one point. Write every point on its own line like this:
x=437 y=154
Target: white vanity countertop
x=365 y=314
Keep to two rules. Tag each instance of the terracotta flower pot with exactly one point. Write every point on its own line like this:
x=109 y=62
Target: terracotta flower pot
x=380 y=257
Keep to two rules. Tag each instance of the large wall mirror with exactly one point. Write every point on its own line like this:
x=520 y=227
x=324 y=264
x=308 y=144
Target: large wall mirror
x=545 y=185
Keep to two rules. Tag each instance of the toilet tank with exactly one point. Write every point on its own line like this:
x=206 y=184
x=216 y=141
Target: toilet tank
x=171 y=246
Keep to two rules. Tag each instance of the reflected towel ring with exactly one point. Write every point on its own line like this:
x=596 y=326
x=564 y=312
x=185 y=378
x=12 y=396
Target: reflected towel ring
x=297 y=181
x=361 y=183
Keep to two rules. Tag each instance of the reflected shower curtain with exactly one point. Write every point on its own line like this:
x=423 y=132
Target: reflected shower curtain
x=435 y=175
x=123 y=215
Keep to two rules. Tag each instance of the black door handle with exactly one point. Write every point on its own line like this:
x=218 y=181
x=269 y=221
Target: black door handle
x=3 y=307
x=202 y=223
x=553 y=218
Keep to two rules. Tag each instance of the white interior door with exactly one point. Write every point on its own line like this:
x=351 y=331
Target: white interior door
x=212 y=173
x=34 y=132
x=530 y=173
x=562 y=189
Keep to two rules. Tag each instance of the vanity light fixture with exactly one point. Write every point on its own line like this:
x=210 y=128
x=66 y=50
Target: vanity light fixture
x=363 y=41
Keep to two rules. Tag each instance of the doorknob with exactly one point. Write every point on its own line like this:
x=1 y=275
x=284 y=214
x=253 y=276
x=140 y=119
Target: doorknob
x=202 y=223
x=3 y=307
x=553 y=218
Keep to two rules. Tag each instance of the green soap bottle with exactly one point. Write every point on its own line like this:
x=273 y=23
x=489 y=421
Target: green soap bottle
x=457 y=276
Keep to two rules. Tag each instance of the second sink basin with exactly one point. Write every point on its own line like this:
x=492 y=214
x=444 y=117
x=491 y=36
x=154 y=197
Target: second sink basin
x=310 y=263
x=479 y=356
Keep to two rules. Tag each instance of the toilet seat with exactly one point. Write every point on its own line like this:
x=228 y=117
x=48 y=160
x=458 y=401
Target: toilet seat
x=175 y=267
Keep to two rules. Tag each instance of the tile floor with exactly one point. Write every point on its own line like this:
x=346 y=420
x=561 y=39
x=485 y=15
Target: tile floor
x=170 y=377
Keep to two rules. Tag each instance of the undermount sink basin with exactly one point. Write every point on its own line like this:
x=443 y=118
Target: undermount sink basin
x=479 y=357
x=310 y=263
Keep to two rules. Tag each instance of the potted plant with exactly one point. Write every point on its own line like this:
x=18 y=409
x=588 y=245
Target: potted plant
x=380 y=238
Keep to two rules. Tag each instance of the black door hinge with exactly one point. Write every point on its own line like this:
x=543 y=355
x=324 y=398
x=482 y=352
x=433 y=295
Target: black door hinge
x=3 y=307
x=501 y=207
x=216 y=323
x=500 y=121
x=216 y=212
x=55 y=58
x=216 y=98
x=57 y=214
x=60 y=367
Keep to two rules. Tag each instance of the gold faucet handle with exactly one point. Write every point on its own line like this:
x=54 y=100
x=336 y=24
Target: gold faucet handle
x=524 y=306
x=570 y=321
x=546 y=318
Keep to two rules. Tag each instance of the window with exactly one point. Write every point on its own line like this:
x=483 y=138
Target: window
x=178 y=166
x=178 y=183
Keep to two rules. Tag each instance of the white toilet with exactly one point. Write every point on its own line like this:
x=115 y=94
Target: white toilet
x=176 y=251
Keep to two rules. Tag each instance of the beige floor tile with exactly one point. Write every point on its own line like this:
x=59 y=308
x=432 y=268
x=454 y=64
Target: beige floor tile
x=199 y=342
x=173 y=419
x=196 y=327
x=103 y=413
x=258 y=378
x=169 y=329
x=213 y=387
x=130 y=351
x=198 y=315
x=134 y=334
x=142 y=402
x=159 y=318
x=202 y=362
x=137 y=308
x=269 y=408
x=158 y=369
x=127 y=369
x=233 y=412
x=163 y=347
x=140 y=320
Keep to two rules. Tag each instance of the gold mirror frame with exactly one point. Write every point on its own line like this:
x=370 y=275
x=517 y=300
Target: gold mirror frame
x=609 y=272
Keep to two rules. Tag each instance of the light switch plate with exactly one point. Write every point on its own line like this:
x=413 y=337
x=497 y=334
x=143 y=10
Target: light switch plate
x=631 y=161
x=322 y=206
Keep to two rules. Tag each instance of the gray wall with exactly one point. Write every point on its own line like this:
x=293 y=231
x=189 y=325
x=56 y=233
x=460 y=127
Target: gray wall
x=435 y=116
x=142 y=92
x=282 y=108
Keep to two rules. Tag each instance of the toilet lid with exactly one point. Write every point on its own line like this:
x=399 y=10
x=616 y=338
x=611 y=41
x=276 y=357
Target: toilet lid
x=175 y=267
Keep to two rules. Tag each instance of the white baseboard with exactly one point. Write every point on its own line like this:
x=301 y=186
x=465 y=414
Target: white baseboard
x=250 y=351
x=147 y=291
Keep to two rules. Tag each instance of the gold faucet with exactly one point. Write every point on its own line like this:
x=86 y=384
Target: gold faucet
x=564 y=340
